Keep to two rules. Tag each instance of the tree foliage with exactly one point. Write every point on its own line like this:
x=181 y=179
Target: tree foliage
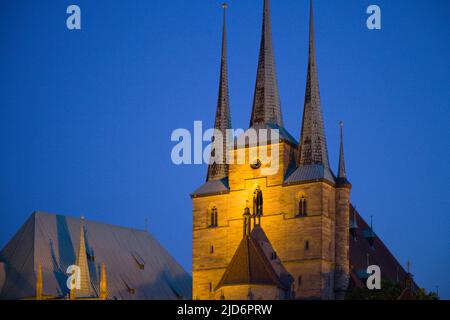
x=389 y=291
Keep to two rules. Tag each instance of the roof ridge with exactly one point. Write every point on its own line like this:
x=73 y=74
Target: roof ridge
x=89 y=221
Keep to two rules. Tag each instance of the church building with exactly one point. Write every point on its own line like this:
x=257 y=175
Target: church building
x=289 y=235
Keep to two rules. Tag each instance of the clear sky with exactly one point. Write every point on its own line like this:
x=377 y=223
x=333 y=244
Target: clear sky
x=86 y=116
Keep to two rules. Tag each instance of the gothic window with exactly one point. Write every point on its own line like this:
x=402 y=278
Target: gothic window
x=214 y=219
x=302 y=207
x=211 y=249
x=273 y=256
x=299 y=281
x=306 y=245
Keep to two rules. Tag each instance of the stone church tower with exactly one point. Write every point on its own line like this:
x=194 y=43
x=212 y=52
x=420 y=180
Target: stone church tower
x=278 y=236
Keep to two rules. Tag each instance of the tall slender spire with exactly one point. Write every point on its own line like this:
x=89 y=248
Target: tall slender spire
x=266 y=103
x=85 y=280
x=313 y=143
x=342 y=174
x=341 y=171
x=218 y=171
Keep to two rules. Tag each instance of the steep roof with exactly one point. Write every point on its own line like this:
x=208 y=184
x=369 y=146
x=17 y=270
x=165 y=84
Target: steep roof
x=251 y=266
x=137 y=266
x=311 y=173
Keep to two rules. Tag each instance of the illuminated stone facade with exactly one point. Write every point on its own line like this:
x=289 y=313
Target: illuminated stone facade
x=303 y=210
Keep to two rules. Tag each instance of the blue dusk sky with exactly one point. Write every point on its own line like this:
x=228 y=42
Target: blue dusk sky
x=86 y=116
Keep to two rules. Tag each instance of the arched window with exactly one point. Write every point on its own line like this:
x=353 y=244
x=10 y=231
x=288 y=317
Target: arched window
x=214 y=219
x=258 y=203
x=302 y=206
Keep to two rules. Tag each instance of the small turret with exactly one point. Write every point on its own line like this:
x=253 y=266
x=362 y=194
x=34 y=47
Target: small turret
x=103 y=283
x=247 y=222
x=341 y=180
x=39 y=283
x=85 y=289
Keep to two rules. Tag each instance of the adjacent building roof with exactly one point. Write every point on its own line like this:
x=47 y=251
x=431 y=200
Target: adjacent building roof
x=363 y=254
x=137 y=266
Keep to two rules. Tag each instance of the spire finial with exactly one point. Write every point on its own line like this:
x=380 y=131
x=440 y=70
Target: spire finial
x=218 y=168
x=266 y=101
x=313 y=144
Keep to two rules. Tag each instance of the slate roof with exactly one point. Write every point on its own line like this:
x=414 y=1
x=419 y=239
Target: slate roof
x=313 y=172
x=53 y=240
x=212 y=187
x=251 y=264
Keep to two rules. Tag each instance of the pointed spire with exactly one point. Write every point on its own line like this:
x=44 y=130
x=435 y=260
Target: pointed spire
x=342 y=174
x=85 y=280
x=218 y=171
x=266 y=103
x=313 y=143
x=39 y=283
x=103 y=283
